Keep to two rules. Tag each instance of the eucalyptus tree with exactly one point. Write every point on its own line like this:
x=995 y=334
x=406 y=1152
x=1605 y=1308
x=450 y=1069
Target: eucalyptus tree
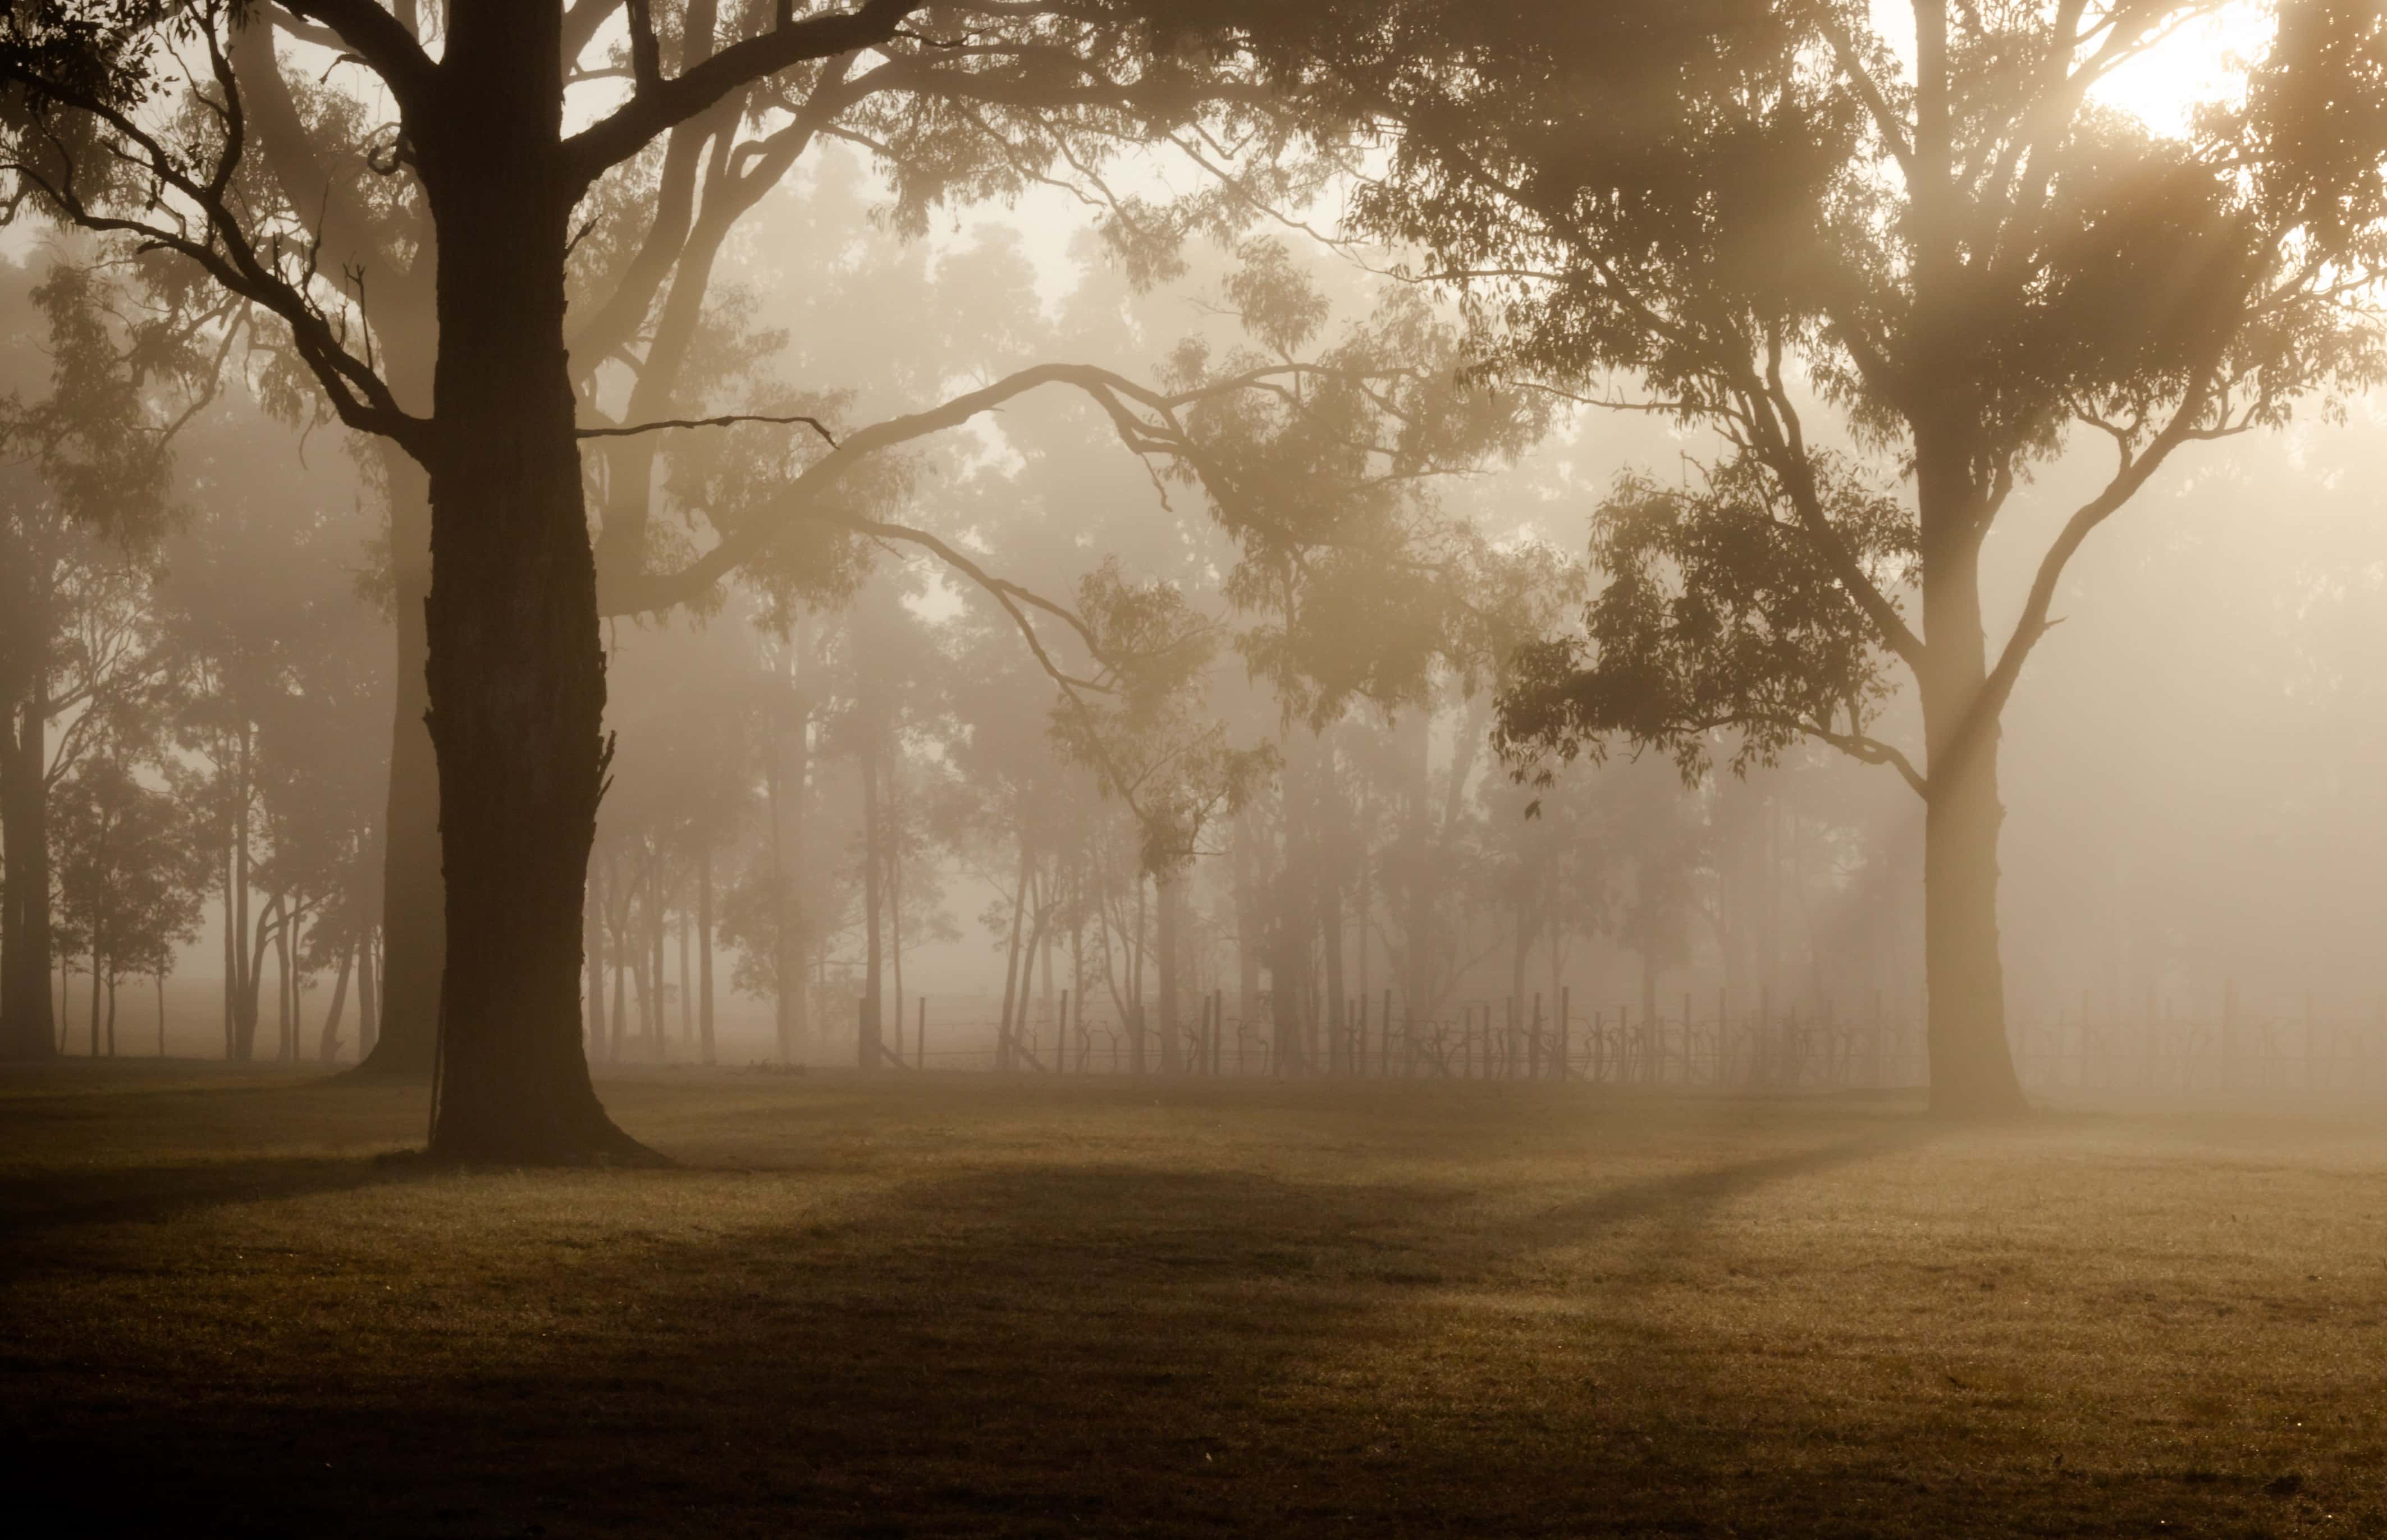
x=1937 y=248
x=101 y=135
x=86 y=504
x=1155 y=743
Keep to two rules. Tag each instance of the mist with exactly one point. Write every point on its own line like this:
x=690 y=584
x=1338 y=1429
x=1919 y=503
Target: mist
x=1646 y=731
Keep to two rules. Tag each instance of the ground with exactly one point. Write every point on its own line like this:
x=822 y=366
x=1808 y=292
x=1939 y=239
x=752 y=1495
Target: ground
x=967 y=1305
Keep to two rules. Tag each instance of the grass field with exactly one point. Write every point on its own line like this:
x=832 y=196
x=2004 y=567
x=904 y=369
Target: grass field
x=960 y=1305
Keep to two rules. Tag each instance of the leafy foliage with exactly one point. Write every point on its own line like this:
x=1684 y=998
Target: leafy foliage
x=1716 y=616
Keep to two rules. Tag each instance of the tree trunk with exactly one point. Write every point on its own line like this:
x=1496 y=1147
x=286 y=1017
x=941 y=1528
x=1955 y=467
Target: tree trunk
x=368 y=997
x=659 y=1018
x=1005 y=1032
x=1653 y=1032
x=1171 y=886
x=516 y=665
x=413 y=923
x=285 y=990
x=246 y=956
x=400 y=258
x=1971 y=1067
x=874 y=858
x=687 y=987
x=593 y=954
x=231 y=966
x=1249 y=926
x=791 y=768
x=27 y=1027
x=704 y=950
x=328 y=1048
x=895 y=900
x=1525 y=928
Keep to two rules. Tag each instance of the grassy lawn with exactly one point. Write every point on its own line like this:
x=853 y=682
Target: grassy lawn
x=960 y=1305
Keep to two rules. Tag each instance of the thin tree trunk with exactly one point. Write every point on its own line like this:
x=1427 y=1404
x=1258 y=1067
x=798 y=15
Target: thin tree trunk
x=1250 y=928
x=1330 y=939
x=592 y=948
x=231 y=966
x=873 y=875
x=1653 y=1034
x=286 y=988
x=658 y=920
x=1008 y=1030
x=368 y=997
x=328 y=1049
x=1136 y=1020
x=895 y=894
x=704 y=950
x=412 y=904
x=686 y=988
x=1170 y=886
x=246 y=956
x=791 y=751
x=111 y=1013
x=27 y=1027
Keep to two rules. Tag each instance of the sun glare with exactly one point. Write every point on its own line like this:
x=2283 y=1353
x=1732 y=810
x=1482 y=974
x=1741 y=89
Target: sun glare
x=2204 y=61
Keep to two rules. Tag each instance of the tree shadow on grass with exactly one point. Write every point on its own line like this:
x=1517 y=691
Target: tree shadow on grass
x=1038 y=1349
x=32 y=1208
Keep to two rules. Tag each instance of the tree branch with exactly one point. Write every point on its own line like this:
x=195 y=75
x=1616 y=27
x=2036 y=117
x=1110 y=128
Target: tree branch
x=590 y=153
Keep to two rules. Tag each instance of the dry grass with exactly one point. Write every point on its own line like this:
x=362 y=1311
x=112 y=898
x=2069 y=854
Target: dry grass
x=955 y=1306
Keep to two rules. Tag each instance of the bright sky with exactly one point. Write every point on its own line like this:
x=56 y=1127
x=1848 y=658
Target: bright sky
x=2198 y=64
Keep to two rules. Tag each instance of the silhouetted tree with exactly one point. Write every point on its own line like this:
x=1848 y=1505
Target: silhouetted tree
x=1756 y=212
x=80 y=524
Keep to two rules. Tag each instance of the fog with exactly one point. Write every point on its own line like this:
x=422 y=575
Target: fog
x=1353 y=579
x=1193 y=767
x=2189 y=767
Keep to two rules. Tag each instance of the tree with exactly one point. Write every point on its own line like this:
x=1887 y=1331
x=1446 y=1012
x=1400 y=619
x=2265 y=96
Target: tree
x=515 y=668
x=1157 y=747
x=1756 y=212
x=77 y=528
x=130 y=877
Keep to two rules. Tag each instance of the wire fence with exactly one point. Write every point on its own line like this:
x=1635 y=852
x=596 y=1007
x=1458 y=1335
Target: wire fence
x=1762 y=1048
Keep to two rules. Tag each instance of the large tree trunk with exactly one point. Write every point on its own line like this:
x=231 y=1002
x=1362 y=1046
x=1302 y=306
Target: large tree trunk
x=26 y=1028
x=1971 y=1067
x=414 y=922
x=517 y=669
